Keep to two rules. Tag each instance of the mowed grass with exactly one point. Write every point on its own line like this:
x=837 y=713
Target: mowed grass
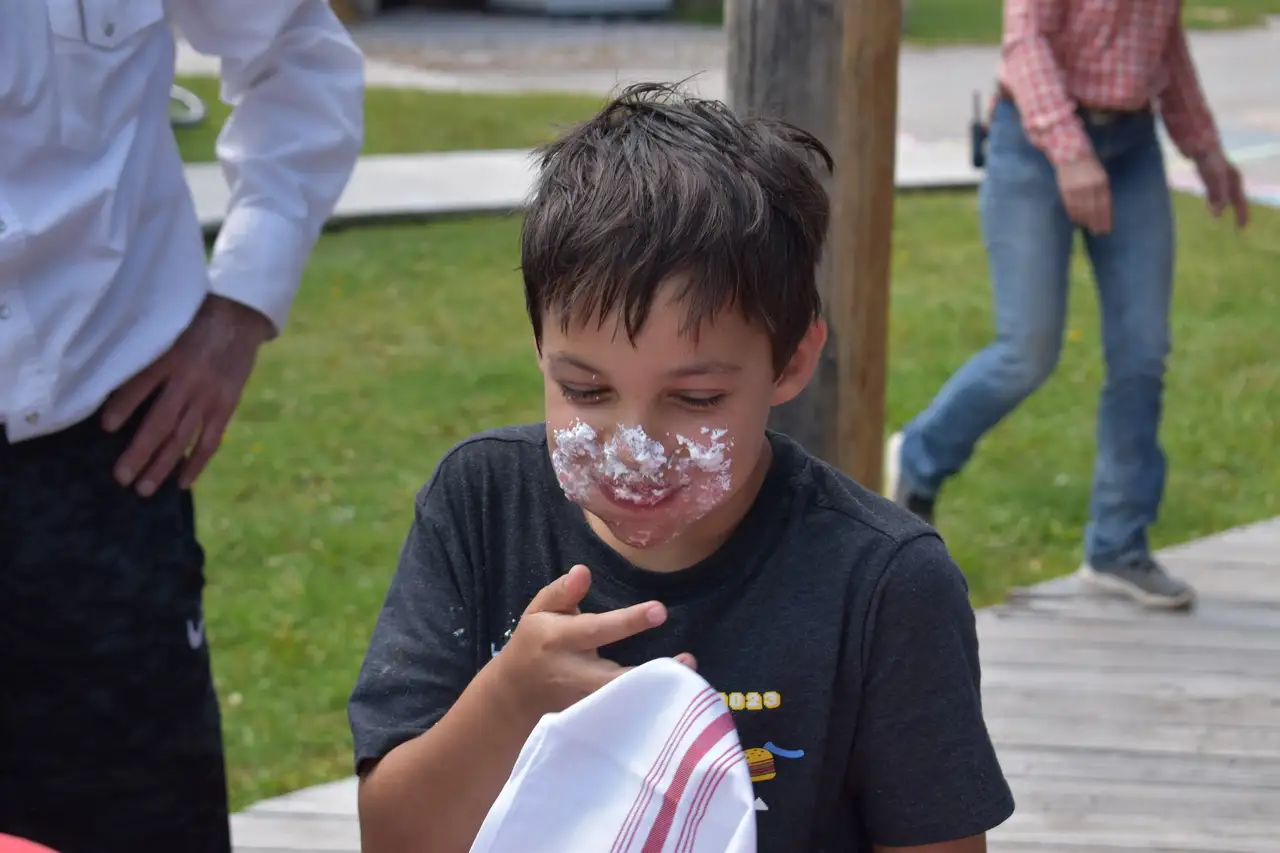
x=404 y=121
x=406 y=338
x=937 y=22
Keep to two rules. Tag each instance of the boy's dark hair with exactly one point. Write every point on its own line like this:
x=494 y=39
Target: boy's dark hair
x=658 y=184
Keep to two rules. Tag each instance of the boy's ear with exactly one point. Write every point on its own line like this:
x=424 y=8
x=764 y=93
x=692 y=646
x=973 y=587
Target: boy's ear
x=796 y=375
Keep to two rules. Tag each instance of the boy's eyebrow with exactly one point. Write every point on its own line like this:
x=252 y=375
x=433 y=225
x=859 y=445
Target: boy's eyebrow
x=563 y=358
x=701 y=368
x=697 y=368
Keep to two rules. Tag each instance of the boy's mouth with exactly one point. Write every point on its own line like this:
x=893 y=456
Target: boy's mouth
x=637 y=496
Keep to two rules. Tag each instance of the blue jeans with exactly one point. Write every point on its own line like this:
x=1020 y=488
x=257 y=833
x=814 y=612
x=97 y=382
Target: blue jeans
x=1029 y=240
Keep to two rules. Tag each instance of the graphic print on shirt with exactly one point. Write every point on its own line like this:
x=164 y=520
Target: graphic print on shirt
x=761 y=760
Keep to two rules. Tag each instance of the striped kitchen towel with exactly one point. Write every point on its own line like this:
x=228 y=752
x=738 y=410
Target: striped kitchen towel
x=651 y=763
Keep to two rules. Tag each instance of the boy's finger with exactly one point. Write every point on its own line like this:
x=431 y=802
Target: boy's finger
x=688 y=660
x=564 y=594
x=590 y=631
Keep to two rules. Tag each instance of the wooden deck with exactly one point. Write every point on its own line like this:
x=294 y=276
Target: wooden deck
x=1120 y=730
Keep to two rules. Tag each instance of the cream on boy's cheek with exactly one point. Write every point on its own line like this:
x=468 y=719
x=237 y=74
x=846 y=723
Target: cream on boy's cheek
x=574 y=459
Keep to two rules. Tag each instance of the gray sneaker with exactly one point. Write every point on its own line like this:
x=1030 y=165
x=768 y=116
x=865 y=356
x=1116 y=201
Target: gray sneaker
x=896 y=489
x=1144 y=580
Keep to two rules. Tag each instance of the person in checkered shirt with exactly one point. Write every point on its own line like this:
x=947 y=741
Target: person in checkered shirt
x=1073 y=145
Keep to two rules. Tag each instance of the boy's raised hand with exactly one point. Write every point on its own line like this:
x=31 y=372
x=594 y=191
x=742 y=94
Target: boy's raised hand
x=551 y=660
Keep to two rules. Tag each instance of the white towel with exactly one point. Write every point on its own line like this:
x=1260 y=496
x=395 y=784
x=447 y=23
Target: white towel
x=651 y=763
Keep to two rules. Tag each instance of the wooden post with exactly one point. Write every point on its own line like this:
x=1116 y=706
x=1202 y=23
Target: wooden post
x=863 y=230
x=784 y=58
x=831 y=67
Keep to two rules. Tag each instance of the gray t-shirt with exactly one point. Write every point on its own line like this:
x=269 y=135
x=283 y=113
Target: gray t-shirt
x=835 y=624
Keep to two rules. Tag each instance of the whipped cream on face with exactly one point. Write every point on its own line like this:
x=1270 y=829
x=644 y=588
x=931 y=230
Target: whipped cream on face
x=574 y=459
x=710 y=457
x=634 y=464
x=637 y=468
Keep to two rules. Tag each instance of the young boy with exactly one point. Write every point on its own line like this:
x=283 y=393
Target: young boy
x=668 y=259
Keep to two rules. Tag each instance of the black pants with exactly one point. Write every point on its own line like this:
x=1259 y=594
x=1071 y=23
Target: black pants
x=110 y=737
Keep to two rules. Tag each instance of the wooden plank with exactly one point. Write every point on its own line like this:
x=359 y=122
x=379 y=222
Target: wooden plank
x=863 y=230
x=1222 y=581
x=1150 y=736
x=1256 y=582
x=1124 y=765
x=1085 y=653
x=310 y=833
x=1162 y=684
x=1105 y=707
x=1013 y=626
x=1141 y=832
x=334 y=798
x=999 y=844
x=1189 y=799
x=1209 y=612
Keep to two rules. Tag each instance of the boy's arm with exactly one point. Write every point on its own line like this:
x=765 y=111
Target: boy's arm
x=437 y=788
x=433 y=743
x=923 y=768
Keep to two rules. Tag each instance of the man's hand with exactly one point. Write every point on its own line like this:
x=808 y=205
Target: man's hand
x=1223 y=186
x=1086 y=194
x=551 y=661
x=199 y=380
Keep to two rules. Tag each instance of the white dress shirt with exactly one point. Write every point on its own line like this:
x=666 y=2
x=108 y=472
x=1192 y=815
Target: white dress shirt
x=102 y=259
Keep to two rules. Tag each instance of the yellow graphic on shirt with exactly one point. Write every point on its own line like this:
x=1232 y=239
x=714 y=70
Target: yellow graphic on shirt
x=753 y=701
x=760 y=764
x=762 y=760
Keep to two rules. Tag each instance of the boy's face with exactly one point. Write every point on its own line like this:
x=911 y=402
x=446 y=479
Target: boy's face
x=653 y=437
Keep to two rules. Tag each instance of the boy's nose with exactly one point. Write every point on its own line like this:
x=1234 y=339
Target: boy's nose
x=637 y=448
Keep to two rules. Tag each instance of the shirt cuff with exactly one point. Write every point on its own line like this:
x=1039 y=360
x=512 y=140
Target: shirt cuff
x=258 y=260
x=1196 y=145
x=1067 y=141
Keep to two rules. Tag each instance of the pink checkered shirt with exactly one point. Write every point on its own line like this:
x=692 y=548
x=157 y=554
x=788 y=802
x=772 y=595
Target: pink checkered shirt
x=1104 y=54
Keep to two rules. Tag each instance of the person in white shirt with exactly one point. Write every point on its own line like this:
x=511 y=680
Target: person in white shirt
x=123 y=353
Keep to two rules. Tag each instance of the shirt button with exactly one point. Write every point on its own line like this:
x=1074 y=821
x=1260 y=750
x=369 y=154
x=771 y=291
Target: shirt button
x=108 y=29
x=2 y=226
x=4 y=312
x=33 y=418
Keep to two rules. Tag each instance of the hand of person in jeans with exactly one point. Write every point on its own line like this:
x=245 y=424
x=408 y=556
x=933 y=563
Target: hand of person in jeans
x=1086 y=193
x=1223 y=186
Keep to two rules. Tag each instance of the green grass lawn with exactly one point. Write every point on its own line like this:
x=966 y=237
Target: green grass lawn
x=406 y=338
x=402 y=121
x=976 y=21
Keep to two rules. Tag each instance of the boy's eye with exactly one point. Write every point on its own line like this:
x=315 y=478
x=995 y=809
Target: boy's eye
x=701 y=402
x=582 y=395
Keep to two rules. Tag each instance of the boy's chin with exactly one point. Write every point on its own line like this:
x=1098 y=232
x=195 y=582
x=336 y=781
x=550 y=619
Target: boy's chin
x=642 y=534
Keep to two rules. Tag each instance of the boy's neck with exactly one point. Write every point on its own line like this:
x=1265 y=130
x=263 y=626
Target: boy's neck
x=701 y=540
